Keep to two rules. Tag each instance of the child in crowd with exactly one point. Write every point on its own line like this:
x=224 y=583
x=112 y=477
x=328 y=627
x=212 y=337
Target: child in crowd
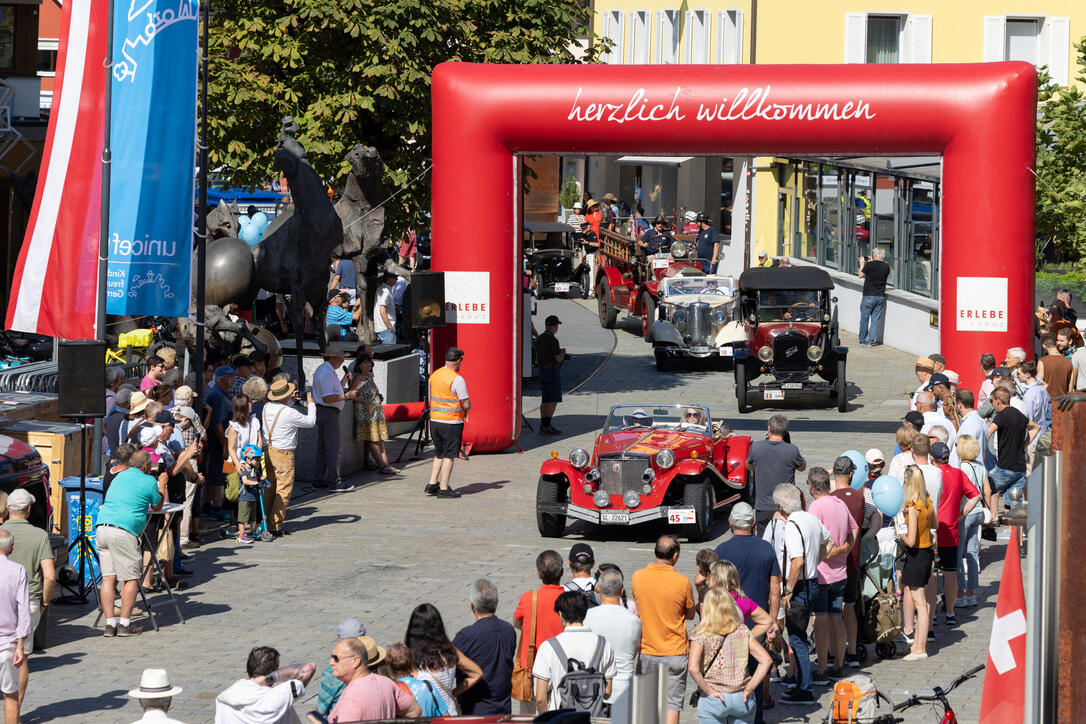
x=705 y=559
x=252 y=483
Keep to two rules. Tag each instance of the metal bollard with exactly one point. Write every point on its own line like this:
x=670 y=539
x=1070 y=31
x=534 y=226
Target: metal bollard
x=647 y=697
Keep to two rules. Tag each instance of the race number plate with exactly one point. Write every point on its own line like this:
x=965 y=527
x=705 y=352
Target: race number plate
x=561 y=287
x=681 y=515
x=727 y=352
x=661 y=263
x=792 y=386
x=699 y=350
x=614 y=516
x=773 y=395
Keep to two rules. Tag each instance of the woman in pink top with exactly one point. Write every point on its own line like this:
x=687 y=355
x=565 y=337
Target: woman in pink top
x=724 y=575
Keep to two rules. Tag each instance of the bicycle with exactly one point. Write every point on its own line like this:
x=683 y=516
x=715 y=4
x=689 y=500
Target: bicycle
x=938 y=696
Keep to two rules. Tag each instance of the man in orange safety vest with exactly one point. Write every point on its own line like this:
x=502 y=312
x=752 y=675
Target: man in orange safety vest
x=449 y=405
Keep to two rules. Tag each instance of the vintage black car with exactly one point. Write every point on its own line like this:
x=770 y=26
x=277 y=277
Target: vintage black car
x=555 y=260
x=790 y=318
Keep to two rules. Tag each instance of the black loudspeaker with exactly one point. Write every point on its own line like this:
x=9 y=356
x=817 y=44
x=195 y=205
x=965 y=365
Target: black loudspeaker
x=427 y=300
x=81 y=382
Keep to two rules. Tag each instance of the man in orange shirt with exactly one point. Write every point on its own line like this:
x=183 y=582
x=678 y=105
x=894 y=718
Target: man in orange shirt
x=549 y=568
x=665 y=602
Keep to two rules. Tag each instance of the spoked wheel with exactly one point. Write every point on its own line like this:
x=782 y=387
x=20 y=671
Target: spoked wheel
x=607 y=311
x=886 y=650
x=586 y=284
x=741 y=385
x=648 y=315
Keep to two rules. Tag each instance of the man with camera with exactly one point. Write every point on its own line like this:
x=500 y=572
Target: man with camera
x=874 y=271
x=343 y=313
x=329 y=394
x=384 y=310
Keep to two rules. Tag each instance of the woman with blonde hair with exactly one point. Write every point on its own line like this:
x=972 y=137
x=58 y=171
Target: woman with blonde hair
x=919 y=517
x=724 y=575
x=968 y=449
x=720 y=647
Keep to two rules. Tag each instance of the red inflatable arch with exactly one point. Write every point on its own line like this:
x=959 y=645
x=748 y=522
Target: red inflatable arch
x=979 y=117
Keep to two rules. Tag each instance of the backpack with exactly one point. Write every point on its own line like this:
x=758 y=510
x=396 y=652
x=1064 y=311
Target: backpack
x=582 y=688
x=882 y=618
x=855 y=699
x=590 y=596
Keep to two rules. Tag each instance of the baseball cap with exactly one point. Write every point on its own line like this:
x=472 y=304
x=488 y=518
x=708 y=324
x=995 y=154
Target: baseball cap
x=925 y=362
x=874 y=455
x=741 y=515
x=225 y=371
x=762 y=254
x=184 y=392
x=843 y=466
x=20 y=499
x=940 y=451
x=164 y=417
x=1000 y=372
x=582 y=552
x=184 y=411
x=350 y=628
x=552 y=321
x=124 y=396
x=454 y=354
x=938 y=379
x=914 y=418
x=333 y=294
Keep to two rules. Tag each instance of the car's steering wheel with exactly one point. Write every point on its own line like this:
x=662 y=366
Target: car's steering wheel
x=798 y=312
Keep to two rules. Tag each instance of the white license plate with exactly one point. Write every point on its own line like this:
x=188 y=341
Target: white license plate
x=561 y=287
x=699 y=350
x=727 y=352
x=614 y=516
x=791 y=385
x=661 y=263
x=681 y=515
x=773 y=395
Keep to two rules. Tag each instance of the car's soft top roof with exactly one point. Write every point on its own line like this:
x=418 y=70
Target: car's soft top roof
x=546 y=227
x=784 y=277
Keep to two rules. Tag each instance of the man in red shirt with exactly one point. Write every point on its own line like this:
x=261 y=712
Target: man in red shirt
x=862 y=512
x=549 y=568
x=956 y=490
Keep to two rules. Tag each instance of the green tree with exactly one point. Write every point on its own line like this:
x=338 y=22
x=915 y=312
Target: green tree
x=1061 y=167
x=352 y=71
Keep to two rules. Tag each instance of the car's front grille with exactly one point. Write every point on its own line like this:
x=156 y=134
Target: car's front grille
x=790 y=352
x=617 y=475
x=698 y=326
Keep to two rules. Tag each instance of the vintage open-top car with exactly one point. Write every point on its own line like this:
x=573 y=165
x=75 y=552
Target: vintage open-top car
x=650 y=462
x=790 y=318
x=554 y=261
x=694 y=319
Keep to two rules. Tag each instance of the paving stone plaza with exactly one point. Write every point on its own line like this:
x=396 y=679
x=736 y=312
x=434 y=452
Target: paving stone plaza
x=377 y=552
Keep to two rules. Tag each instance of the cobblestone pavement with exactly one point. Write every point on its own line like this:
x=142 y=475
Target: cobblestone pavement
x=379 y=551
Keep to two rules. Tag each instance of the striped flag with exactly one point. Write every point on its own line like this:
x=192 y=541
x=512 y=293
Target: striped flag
x=55 y=288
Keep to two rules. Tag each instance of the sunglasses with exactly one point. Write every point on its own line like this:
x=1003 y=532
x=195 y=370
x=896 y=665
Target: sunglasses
x=336 y=658
x=692 y=416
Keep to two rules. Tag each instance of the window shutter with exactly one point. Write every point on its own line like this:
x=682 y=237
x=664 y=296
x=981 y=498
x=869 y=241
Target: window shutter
x=613 y=30
x=919 y=38
x=736 y=48
x=994 y=40
x=688 y=35
x=1057 y=35
x=855 y=37
x=667 y=36
x=639 y=37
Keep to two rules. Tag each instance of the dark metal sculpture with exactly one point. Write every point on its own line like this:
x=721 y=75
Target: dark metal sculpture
x=222 y=221
x=231 y=338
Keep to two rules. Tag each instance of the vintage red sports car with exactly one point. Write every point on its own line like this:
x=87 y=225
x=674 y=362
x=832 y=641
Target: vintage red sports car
x=650 y=462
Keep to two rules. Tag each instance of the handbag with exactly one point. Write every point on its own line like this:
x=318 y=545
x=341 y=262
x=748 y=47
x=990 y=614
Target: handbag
x=228 y=467
x=523 y=689
x=796 y=616
x=697 y=692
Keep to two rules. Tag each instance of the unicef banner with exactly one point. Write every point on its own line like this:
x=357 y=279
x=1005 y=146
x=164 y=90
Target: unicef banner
x=152 y=136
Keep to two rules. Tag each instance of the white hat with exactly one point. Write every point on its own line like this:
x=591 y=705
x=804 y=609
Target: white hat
x=874 y=455
x=20 y=499
x=149 y=435
x=184 y=392
x=577 y=204
x=155 y=684
x=952 y=376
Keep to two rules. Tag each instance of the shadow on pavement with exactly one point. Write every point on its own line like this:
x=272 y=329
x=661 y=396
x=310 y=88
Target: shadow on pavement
x=570 y=425
x=473 y=488
x=80 y=705
x=320 y=521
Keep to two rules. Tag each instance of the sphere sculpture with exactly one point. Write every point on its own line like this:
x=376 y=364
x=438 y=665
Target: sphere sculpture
x=229 y=272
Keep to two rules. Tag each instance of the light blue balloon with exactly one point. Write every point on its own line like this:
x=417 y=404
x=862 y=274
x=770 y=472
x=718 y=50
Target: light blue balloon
x=250 y=234
x=244 y=220
x=261 y=221
x=887 y=495
x=859 y=475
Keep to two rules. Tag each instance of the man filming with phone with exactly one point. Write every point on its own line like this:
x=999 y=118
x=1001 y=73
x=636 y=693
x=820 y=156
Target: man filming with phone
x=874 y=271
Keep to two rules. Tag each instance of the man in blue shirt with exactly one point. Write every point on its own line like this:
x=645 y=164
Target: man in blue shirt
x=218 y=400
x=708 y=243
x=339 y=314
x=121 y=521
x=490 y=643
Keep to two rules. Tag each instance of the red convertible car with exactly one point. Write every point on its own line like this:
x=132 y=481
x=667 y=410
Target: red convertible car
x=650 y=462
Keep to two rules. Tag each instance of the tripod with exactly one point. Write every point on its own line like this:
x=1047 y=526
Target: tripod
x=82 y=543
x=422 y=428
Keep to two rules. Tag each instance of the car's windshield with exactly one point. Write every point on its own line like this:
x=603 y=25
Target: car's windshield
x=788 y=304
x=552 y=241
x=632 y=417
x=677 y=286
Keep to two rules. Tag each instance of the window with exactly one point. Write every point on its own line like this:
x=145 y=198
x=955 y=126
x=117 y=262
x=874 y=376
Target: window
x=613 y=30
x=1021 y=42
x=887 y=38
x=7 y=38
x=883 y=39
x=667 y=36
x=1043 y=41
x=729 y=36
x=47 y=57
x=697 y=36
x=639 y=37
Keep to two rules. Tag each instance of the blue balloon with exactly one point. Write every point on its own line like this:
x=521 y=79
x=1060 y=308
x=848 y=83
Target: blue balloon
x=261 y=221
x=859 y=475
x=250 y=234
x=887 y=495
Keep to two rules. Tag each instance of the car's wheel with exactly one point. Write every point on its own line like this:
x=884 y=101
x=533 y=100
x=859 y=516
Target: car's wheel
x=586 y=284
x=699 y=495
x=607 y=311
x=549 y=490
x=648 y=315
x=538 y=279
x=842 y=396
x=749 y=489
x=741 y=385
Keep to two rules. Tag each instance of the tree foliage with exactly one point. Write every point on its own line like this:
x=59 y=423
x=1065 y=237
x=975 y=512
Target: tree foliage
x=352 y=71
x=1061 y=167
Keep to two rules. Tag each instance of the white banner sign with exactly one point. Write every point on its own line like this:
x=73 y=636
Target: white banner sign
x=982 y=304
x=467 y=297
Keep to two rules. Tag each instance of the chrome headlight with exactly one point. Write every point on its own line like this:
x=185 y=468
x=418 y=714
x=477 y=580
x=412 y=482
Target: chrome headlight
x=765 y=353
x=814 y=353
x=679 y=316
x=665 y=459
x=719 y=315
x=632 y=499
x=679 y=250
x=648 y=476
x=578 y=457
x=592 y=475
x=601 y=498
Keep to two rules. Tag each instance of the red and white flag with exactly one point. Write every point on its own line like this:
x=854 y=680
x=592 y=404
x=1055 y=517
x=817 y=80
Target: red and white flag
x=1004 y=697
x=55 y=287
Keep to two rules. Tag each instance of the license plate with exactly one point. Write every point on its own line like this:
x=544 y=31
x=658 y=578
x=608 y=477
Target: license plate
x=773 y=395
x=792 y=386
x=661 y=263
x=681 y=515
x=727 y=352
x=699 y=350
x=561 y=287
x=614 y=516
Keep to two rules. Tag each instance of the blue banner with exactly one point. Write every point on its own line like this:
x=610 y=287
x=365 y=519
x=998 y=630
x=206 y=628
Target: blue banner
x=152 y=135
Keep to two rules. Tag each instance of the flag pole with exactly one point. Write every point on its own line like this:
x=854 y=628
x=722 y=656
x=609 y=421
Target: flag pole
x=103 y=227
x=201 y=210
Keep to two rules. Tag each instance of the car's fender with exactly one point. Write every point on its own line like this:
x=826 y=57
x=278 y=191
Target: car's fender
x=614 y=278
x=664 y=331
x=736 y=461
x=730 y=333
x=556 y=466
x=692 y=467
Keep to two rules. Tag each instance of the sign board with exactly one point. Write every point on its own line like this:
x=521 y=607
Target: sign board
x=467 y=297
x=982 y=304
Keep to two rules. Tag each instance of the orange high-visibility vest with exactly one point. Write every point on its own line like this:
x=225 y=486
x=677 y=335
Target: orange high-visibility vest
x=445 y=406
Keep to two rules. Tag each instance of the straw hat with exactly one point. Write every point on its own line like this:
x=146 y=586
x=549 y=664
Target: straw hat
x=280 y=390
x=137 y=402
x=375 y=655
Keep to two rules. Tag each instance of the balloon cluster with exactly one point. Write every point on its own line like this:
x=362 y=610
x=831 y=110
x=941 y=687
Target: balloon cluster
x=886 y=492
x=252 y=229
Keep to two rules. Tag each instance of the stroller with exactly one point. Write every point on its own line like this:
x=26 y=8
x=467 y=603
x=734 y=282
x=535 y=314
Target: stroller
x=882 y=619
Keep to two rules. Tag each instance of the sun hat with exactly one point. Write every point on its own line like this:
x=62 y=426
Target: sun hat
x=155 y=684
x=149 y=435
x=374 y=654
x=280 y=390
x=137 y=402
x=184 y=392
x=124 y=397
x=335 y=349
x=577 y=204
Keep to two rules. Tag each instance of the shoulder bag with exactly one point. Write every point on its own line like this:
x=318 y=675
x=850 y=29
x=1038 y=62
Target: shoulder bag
x=797 y=616
x=697 y=692
x=522 y=675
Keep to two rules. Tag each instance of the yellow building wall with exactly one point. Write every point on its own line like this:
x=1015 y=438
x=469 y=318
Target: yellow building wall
x=652 y=6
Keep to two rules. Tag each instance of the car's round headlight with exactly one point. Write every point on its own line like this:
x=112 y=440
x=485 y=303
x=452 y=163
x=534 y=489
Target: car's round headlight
x=719 y=315
x=679 y=316
x=814 y=353
x=665 y=459
x=679 y=250
x=578 y=457
x=765 y=353
x=632 y=499
x=601 y=498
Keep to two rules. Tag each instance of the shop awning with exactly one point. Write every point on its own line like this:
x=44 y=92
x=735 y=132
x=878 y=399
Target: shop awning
x=652 y=160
